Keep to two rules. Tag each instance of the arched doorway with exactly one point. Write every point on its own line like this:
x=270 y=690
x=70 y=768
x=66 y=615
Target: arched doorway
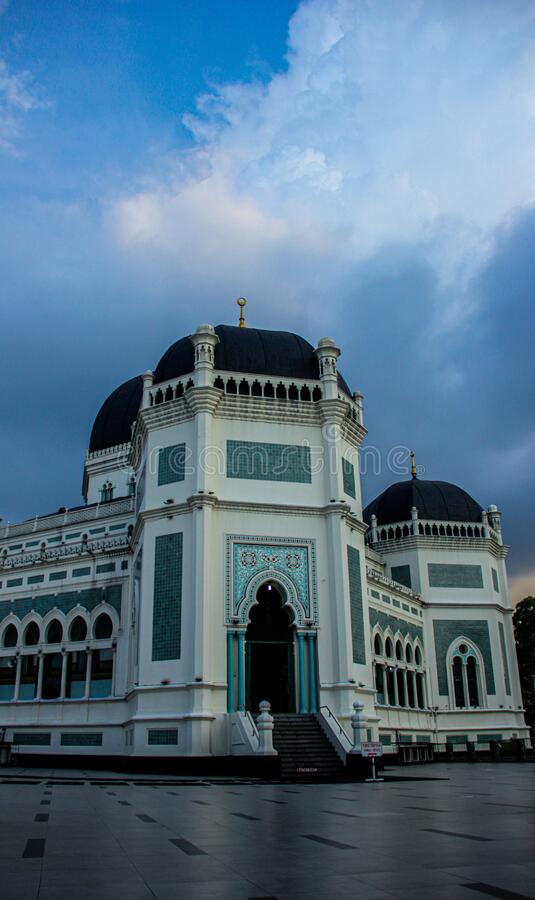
x=269 y=656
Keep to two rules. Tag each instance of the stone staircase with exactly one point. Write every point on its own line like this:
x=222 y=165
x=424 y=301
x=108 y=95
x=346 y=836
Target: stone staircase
x=304 y=749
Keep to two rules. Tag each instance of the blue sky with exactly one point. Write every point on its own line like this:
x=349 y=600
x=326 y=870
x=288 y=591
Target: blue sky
x=358 y=169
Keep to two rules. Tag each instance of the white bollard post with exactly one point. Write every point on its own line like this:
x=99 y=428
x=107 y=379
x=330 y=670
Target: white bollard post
x=358 y=723
x=264 y=723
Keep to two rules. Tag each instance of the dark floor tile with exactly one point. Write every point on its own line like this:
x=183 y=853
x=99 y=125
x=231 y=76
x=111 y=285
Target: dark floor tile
x=34 y=849
x=124 y=803
x=280 y=802
x=202 y=802
x=41 y=817
x=328 y=842
x=244 y=816
x=427 y=809
x=186 y=847
x=492 y=891
x=334 y=812
x=145 y=818
x=45 y=803
x=468 y=837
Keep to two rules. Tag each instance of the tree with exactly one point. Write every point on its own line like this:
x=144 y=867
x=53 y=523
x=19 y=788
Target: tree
x=524 y=625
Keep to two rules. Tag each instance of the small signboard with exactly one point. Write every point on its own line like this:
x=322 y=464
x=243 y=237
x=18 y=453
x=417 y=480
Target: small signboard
x=371 y=749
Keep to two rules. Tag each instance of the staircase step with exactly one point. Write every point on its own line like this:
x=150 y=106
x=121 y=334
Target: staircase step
x=303 y=747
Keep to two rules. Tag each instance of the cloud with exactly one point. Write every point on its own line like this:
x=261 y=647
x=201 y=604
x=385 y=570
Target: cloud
x=380 y=190
x=18 y=95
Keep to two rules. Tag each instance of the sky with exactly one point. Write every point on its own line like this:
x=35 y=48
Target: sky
x=358 y=169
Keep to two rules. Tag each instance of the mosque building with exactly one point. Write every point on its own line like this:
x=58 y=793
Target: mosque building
x=223 y=558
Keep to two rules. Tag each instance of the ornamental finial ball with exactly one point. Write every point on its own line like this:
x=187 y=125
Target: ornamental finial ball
x=241 y=301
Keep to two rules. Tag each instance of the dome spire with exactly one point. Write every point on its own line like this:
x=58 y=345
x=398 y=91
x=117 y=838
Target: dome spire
x=414 y=473
x=241 y=301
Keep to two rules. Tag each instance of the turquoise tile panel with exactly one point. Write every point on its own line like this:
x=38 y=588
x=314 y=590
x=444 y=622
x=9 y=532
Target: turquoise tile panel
x=13 y=582
x=57 y=576
x=105 y=567
x=385 y=740
x=504 y=659
x=355 y=599
x=495 y=582
x=348 y=473
x=171 y=464
x=32 y=739
x=35 y=579
x=401 y=574
x=167 y=605
x=456 y=738
x=269 y=462
x=385 y=620
x=448 y=630
x=452 y=575
x=79 y=573
x=89 y=739
x=65 y=601
x=163 y=736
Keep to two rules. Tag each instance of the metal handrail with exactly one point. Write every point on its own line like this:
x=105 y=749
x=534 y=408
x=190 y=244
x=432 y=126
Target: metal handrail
x=332 y=715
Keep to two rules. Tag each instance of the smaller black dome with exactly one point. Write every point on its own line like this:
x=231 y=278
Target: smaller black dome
x=113 y=423
x=437 y=500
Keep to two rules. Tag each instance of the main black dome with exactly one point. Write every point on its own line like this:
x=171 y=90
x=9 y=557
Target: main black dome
x=438 y=500
x=114 y=420
x=278 y=353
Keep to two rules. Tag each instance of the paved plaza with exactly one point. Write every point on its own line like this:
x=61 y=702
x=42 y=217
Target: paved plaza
x=440 y=831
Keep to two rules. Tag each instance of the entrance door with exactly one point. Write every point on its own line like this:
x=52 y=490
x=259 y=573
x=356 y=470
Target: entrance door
x=269 y=659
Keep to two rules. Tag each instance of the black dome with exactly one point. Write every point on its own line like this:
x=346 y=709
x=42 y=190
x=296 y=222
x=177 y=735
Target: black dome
x=113 y=423
x=278 y=353
x=433 y=499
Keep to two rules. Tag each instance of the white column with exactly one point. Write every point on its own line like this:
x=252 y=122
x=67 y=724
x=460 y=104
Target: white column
x=17 y=678
x=39 y=690
x=88 y=669
x=396 y=693
x=64 y=664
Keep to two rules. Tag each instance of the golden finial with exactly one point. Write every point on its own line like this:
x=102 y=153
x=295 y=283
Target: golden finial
x=413 y=466
x=241 y=301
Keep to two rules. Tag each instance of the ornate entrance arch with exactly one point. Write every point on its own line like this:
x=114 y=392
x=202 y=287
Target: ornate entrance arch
x=269 y=651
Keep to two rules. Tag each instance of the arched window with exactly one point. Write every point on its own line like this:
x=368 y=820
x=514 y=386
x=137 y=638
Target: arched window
x=54 y=632
x=408 y=653
x=388 y=649
x=399 y=650
x=31 y=635
x=418 y=656
x=106 y=492
x=11 y=636
x=103 y=627
x=378 y=645
x=78 y=630
x=466 y=676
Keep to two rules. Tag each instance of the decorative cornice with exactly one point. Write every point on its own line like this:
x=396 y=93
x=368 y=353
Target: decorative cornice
x=115 y=546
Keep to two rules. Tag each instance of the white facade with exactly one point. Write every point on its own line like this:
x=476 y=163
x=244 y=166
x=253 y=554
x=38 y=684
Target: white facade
x=141 y=642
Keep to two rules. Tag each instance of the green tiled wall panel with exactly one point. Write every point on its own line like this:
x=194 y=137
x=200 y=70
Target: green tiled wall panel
x=396 y=603
x=447 y=630
x=401 y=574
x=385 y=620
x=495 y=582
x=167 y=606
x=171 y=464
x=405 y=738
x=423 y=739
x=456 y=738
x=269 y=462
x=504 y=659
x=485 y=738
x=57 y=576
x=452 y=575
x=162 y=736
x=65 y=601
x=35 y=579
x=13 y=582
x=385 y=740
x=357 y=612
x=77 y=573
x=348 y=473
x=92 y=739
x=32 y=739
x=105 y=567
